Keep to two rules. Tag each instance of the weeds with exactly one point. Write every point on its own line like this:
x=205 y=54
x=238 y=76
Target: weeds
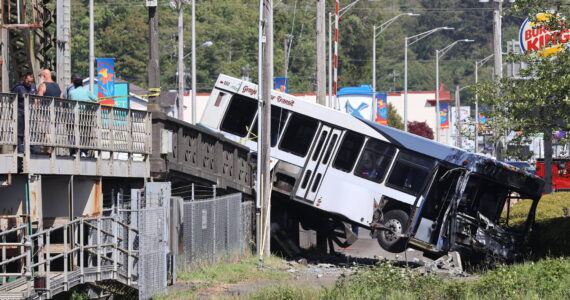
x=547 y=279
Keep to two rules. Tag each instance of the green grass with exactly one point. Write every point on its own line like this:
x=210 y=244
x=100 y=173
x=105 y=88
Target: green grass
x=547 y=279
x=550 y=235
x=243 y=271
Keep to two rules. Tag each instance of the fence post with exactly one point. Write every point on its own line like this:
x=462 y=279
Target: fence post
x=27 y=140
x=3 y=258
x=115 y=256
x=76 y=126
x=81 y=251
x=65 y=258
x=99 y=247
x=129 y=259
x=48 y=260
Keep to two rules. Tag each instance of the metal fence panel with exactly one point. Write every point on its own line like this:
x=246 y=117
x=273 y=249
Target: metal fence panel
x=153 y=239
x=152 y=252
x=212 y=229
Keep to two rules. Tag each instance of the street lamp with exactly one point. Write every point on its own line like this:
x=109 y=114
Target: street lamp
x=182 y=81
x=458 y=116
x=438 y=54
x=415 y=38
x=333 y=84
x=478 y=64
x=382 y=27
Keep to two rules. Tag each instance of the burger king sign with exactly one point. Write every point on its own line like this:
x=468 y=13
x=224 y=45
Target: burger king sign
x=535 y=37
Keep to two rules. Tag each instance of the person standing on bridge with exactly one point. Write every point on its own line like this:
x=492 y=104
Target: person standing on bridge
x=48 y=87
x=27 y=86
x=79 y=92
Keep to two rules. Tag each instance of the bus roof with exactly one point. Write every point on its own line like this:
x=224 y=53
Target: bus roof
x=425 y=146
x=472 y=161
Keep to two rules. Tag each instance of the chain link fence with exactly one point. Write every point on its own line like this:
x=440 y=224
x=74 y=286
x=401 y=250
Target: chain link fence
x=213 y=230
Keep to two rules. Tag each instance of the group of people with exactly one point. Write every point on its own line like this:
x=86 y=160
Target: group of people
x=49 y=88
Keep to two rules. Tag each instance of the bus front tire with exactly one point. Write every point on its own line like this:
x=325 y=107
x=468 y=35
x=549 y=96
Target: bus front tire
x=397 y=221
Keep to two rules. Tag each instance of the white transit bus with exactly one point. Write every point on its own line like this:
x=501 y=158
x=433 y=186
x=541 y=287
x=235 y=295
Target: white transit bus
x=408 y=190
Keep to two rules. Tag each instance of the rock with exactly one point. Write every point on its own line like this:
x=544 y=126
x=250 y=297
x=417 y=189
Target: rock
x=302 y=261
x=291 y=271
x=319 y=275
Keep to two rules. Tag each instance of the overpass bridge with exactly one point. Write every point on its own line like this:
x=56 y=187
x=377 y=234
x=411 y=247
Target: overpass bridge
x=54 y=229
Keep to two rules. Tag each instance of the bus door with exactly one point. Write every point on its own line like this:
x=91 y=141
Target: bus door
x=317 y=162
x=433 y=209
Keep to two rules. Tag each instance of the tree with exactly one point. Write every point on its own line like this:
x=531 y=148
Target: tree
x=394 y=119
x=539 y=102
x=421 y=129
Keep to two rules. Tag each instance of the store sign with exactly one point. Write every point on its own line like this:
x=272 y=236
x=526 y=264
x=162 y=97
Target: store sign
x=535 y=37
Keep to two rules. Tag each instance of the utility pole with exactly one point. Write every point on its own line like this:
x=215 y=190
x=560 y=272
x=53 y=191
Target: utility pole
x=63 y=49
x=91 y=48
x=264 y=140
x=181 y=60
x=498 y=55
x=321 y=48
x=153 y=63
x=287 y=44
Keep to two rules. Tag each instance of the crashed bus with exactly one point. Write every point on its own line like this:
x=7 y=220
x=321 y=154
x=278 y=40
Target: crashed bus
x=407 y=190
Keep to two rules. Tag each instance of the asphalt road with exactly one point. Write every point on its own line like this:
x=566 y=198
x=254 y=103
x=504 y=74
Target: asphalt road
x=366 y=247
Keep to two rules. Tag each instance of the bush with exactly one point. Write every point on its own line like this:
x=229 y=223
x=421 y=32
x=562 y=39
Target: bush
x=552 y=224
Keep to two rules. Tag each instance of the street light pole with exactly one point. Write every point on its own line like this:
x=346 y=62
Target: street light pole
x=438 y=54
x=478 y=64
x=193 y=62
x=181 y=60
x=415 y=38
x=382 y=27
x=338 y=13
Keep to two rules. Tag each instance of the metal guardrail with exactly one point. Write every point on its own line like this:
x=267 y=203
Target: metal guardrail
x=200 y=153
x=56 y=122
x=79 y=251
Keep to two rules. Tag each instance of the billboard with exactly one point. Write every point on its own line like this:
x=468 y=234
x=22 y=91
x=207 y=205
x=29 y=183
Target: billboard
x=382 y=109
x=535 y=37
x=106 y=80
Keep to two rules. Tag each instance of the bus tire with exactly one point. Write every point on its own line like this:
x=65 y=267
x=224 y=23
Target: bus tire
x=396 y=220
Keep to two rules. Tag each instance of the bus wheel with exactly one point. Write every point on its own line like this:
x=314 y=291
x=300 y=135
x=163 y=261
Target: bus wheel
x=397 y=221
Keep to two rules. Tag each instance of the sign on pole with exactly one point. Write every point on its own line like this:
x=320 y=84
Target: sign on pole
x=534 y=36
x=382 y=109
x=106 y=80
x=444 y=115
x=281 y=84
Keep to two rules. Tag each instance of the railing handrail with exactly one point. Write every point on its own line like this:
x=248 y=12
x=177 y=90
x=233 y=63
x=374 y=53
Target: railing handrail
x=65 y=123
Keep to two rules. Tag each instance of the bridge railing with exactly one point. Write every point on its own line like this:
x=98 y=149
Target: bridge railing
x=60 y=136
x=55 y=122
x=8 y=119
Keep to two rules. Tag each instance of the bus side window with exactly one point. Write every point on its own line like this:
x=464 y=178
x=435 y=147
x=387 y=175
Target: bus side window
x=299 y=134
x=278 y=119
x=348 y=151
x=410 y=172
x=375 y=160
x=239 y=115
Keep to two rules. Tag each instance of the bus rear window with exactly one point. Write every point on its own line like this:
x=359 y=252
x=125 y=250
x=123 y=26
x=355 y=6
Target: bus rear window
x=299 y=135
x=375 y=160
x=348 y=151
x=239 y=115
